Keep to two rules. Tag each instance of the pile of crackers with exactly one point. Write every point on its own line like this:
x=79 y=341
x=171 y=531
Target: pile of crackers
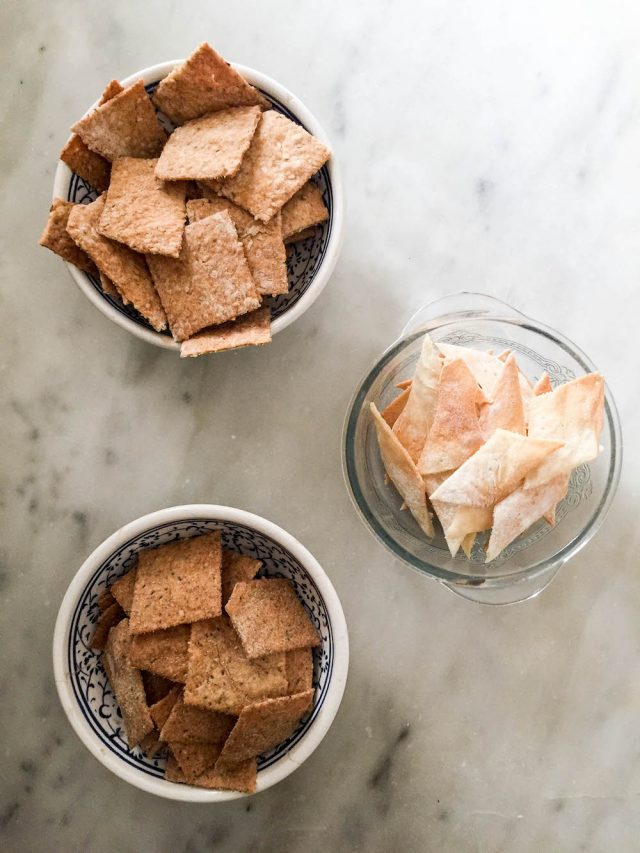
x=471 y=438
x=190 y=225
x=207 y=663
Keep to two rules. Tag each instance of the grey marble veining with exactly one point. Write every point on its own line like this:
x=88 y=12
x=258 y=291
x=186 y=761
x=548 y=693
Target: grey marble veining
x=491 y=146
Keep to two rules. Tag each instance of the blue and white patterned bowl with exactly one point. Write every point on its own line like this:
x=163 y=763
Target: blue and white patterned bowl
x=84 y=690
x=310 y=262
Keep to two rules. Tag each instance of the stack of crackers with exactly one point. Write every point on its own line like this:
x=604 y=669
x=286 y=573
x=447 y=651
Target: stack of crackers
x=190 y=225
x=472 y=439
x=206 y=662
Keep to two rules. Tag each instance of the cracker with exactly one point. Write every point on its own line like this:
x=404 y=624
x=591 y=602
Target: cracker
x=151 y=744
x=127 y=685
x=269 y=617
x=107 y=619
x=299 y=665
x=301 y=235
x=280 y=160
x=91 y=167
x=485 y=367
x=236 y=568
x=56 y=238
x=210 y=283
x=163 y=652
x=177 y=583
x=543 y=385
x=155 y=687
x=142 y=212
x=203 y=84
x=112 y=89
x=125 y=126
x=108 y=286
x=406 y=383
x=252 y=329
x=161 y=710
x=459 y=523
x=303 y=210
x=105 y=600
x=221 y=677
x=392 y=412
x=195 y=758
x=173 y=773
x=124 y=267
x=224 y=776
x=122 y=590
x=506 y=410
x=189 y=724
x=209 y=147
x=264 y=725
x=416 y=419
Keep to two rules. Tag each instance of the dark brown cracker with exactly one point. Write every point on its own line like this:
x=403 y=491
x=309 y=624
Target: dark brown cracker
x=108 y=618
x=105 y=600
x=173 y=773
x=56 y=237
x=209 y=147
x=91 y=167
x=236 y=568
x=126 y=269
x=264 y=725
x=301 y=235
x=221 y=677
x=269 y=617
x=177 y=583
x=155 y=687
x=151 y=744
x=241 y=776
x=163 y=652
x=280 y=160
x=124 y=126
x=203 y=84
x=299 y=665
x=210 y=283
x=126 y=683
x=188 y=724
x=142 y=212
x=252 y=329
x=304 y=210
x=122 y=590
x=195 y=758
x=161 y=709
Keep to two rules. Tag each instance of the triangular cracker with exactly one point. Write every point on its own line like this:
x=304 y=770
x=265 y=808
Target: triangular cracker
x=506 y=410
x=303 y=210
x=543 y=385
x=391 y=413
x=485 y=368
x=416 y=419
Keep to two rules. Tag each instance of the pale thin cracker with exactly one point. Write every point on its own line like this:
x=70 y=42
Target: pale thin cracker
x=195 y=758
x=126 y=269
x=210 y=147
x=122 y=590
x=250 y=330
x=460 y=523
x=204 y=83
x=506 y=410
x=107 y=619
x=406 y=383
x=189 y=724
x=391 y=413
x=210 y=283
x=163 y=652
x=236 y=568
x=416 y=419
x=56 y=238
x=485 y=367
x=543 y=385
x=126 y=683
x=161 y=709
x=281 y=158
x=142 y=212
x=303 y=210
x=125 y=126
x=299 y=663
x=177 y=583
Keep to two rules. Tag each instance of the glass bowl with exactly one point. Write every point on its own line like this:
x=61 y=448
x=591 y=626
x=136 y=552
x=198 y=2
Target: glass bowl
x=529 y=563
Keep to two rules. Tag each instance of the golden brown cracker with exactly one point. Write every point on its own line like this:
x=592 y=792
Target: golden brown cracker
x=195 y=758
x=173 y=772
x=107 y=619
x=236 y=568
x=303 y=210
x=161 y=709
x=126 y=683
x=108 y=286
x=122 y=590
x=163 y=652
x=506 y=409
x=252 y=329
x=299 y=665
x=56 y=238
x=91 y=167
x=189 y=724
x=224 y=776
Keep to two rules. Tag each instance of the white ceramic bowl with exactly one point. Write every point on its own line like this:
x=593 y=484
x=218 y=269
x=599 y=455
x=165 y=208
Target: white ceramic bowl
x=85 y=692
x=310 y=262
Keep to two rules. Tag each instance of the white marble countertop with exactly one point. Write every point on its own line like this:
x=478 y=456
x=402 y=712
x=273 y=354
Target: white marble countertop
x=491 y=146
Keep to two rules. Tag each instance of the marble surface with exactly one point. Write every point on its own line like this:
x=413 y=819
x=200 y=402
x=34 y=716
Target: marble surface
x=492 y=146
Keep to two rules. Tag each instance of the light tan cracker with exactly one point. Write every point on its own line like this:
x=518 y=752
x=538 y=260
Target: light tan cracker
x=252 y=329
x=299 y=665
x=506 y=410
x=391 y=413
x=416 y=419
x=56 y=238
x=303 y=210
x=543 y=385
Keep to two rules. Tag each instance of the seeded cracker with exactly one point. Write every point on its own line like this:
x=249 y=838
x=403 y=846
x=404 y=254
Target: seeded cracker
x=144 y=213
x=177 y=583
x=236 y=568
x=124 y=267
x=163 y=652
x=122 y=590
x=269 y=617
x=210 y=283
x=56 y=238
x=299 y=665
x=252 y=329
x=280 y=160
x=125 y=126
x=188 y=724
x=203 y=84
x=304 y=210
x=209 y=147
x=126 y=683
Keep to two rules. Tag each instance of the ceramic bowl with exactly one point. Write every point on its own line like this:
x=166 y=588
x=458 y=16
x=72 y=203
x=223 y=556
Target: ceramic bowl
x=82 y=685
x=310 y=262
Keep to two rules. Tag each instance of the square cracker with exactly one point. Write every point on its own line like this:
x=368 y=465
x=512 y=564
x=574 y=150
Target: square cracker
x=161 y=709
x=124 y=126
x=189 y=724
x=252 y=329
x=303 y=210
x=142 y=212
x=280 y=160
x=126 y=683
x=236 y=568
x=221 y=677
x=122 y=590
x=195 y=758
x=203 y=84
x=209 y=147
x=269 y=617
x=210 y=283
x=126 y=269
x=262 y=242
x=299 y=665
x=163 y=652
x=264 y=725
x=56 y=238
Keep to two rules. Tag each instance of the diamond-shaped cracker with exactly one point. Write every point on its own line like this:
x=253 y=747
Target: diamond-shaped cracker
x=56 y=238
x=269 y=617
x=177 y=583
x=210 y=283
x=203 y=84
x=506 y=410
x=303 y=210
x=195 y=758
x=416 y=419
x=209 y=147
x=163 y=652
x=126 y=683
x=252 y=329
x=299 y=665
x=108 y=618
x=280 y=160
x=189 y=724
x=126 y=269
x=236 y=568
x=264 y=725
x=122 y=590
x=142 y=212
x=161 y=709
x=124 y=126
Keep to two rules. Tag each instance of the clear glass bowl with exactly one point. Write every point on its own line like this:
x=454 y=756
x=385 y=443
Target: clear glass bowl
x=531 y=561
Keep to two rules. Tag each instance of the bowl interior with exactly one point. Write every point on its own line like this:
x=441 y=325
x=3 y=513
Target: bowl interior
x=89 y=684
x=304 y=258
x=591 y=487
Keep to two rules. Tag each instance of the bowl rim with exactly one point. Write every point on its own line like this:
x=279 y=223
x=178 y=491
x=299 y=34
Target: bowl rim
x=337 y=680
x=324 y=272
x=479 y=579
